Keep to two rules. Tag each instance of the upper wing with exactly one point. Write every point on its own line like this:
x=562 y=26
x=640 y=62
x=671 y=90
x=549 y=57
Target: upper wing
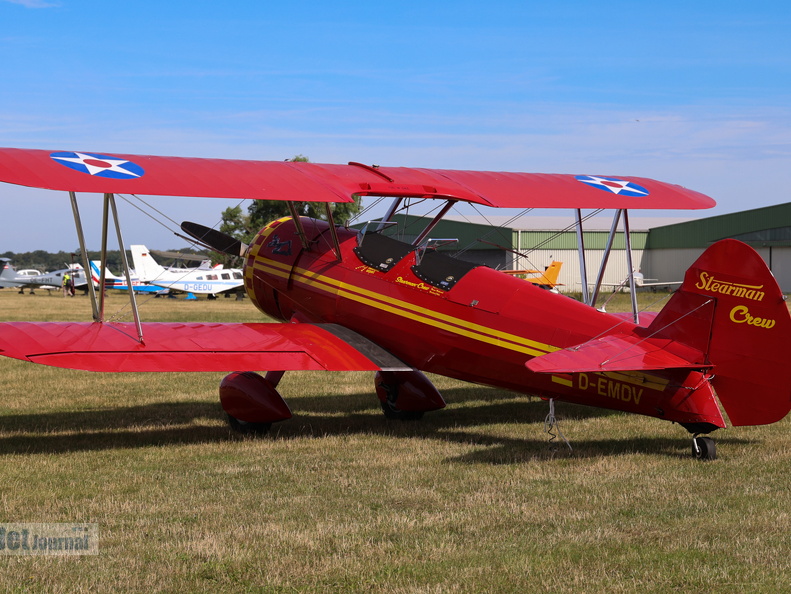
x=281 y=180
x=193 y=347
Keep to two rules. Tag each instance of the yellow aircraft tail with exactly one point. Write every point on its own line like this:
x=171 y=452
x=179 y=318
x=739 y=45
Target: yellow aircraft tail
x=543 y=278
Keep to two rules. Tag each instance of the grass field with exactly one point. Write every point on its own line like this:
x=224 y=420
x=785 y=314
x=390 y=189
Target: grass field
x=470 y=499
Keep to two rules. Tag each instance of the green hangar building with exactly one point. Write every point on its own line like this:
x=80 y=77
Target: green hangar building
x=662 y=248
x=669 y=250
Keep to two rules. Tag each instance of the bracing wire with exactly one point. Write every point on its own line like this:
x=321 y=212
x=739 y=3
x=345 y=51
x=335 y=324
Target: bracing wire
x=122 y=311
x=522 y=253
x=360 y=214
x=630 y=347
x=494 y=228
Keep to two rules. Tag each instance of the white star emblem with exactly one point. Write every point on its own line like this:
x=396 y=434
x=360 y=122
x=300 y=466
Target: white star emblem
x=614 y=185
x=95 y=165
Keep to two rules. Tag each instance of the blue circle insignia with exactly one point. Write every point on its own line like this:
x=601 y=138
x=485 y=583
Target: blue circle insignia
x=613 y=185
x=99 y=165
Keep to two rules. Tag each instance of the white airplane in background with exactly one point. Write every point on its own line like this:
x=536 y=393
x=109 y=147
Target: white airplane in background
x=640 y=281
x=207 y=281
x=33 y=279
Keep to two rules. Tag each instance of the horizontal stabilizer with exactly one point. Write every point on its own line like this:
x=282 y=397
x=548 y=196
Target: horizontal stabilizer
x=192 y=347
x=619 y=353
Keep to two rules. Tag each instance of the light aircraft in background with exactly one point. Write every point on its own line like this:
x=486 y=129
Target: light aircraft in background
x=207 y=281
x=364 y=301
x=33 y=279
x=546 y=279
x=10 y=277
x=640 y=281
x=119 y=283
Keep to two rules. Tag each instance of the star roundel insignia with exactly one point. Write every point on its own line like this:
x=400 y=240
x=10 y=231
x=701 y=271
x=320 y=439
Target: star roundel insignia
x=613 y=184
x=99 y=165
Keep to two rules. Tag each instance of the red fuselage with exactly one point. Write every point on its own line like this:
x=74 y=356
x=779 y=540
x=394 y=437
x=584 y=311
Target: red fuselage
x=444 y=316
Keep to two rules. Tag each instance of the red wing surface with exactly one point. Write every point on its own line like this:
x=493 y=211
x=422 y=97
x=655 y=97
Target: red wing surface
x=192 y=347
x=280 y=180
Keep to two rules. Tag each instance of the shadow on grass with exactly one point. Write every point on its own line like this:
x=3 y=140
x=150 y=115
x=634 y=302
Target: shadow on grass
x=163 y=424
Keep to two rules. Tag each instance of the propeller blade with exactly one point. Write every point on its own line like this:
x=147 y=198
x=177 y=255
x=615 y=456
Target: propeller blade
x=216 y=240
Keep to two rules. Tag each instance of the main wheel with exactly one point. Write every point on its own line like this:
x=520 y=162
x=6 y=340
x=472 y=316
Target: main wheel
x=703 y=448
x=391 y=412
x=248 y=428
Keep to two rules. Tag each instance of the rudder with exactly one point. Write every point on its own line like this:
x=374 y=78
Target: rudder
x=146 y=267
x=731 y=308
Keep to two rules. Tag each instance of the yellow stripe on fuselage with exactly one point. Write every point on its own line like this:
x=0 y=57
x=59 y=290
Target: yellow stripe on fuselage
x=636 y=378
x=563 y=381
x=436 y=319
x=405 y=309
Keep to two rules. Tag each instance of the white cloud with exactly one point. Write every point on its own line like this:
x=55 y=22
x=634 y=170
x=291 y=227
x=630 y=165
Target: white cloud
x=33 y=3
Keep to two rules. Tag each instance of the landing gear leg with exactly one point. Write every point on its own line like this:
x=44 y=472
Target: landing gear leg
x=703 y=448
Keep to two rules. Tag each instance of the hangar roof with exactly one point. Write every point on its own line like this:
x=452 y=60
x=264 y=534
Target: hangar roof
x=765 y=226
x=770 y=225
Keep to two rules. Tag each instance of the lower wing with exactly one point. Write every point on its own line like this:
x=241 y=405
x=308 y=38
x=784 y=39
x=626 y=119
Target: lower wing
x=193 y=347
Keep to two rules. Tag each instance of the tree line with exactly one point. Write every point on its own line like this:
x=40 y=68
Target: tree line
x=244 y=226
x=48 y=261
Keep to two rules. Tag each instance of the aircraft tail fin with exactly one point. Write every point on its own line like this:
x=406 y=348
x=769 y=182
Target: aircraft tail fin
x=96 y=272
x=6 y=269
x=545 y=278
x=551 y=274
x=146 y=267
x=731 y=309
x=728 y=320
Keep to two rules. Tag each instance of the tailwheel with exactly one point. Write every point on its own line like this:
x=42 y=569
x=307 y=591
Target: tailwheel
x=248 y=428
x=703 y=448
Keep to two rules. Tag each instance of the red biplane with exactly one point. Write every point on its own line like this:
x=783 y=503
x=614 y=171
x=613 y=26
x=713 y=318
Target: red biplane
x=362 y=300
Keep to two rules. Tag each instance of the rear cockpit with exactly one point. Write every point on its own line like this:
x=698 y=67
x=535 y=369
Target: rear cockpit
x=383 y=253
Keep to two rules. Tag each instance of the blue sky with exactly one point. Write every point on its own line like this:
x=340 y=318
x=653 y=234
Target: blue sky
x=694 y=93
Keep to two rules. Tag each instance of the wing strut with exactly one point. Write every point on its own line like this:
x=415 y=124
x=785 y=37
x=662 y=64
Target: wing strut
x=423 y=234
x=336 y=245
x=632 y=289
x=86 y=266
x=298 y=222
x=607 y=251
x=389 y=214
x=132 y=301
x=103 y=258
x=98 y=305
x=583 y=268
